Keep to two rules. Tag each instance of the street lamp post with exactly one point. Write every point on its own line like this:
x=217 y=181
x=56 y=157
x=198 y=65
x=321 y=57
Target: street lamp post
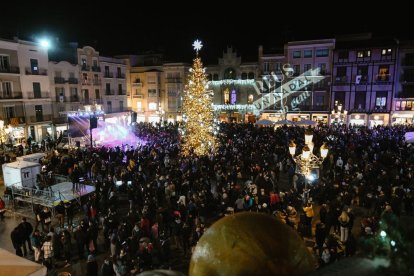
x=339 y=114
x=306 y=161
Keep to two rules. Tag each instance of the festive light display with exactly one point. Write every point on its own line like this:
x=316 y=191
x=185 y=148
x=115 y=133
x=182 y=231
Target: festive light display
x=198 y=121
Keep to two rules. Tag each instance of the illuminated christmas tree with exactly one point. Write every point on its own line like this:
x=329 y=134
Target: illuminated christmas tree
x=197 y=134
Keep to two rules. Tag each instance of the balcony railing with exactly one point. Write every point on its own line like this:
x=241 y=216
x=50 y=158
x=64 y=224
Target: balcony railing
x=96 y=69
x=37 y=119
x=85 y=68
x=361 y=79
x=174 y=80
x=74 y=98
x=42 y=95
x=341 y=79
x=99 y=101
x=96 y=82
x=10 y=70
x=59 y=80
x=108 y=75
x=122 y=92
x=41 y=71
x=14 y=120
x=120 y=76
x=313 y=108
x=73 y=81
x=109 y=92
x=60 y=120
x=13 y=95
x=137 y=84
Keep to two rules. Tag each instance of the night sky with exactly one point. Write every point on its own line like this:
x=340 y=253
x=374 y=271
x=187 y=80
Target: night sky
x=122 y=29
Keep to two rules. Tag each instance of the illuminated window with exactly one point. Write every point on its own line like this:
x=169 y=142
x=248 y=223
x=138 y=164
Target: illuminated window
x=381 y=99
x=296 y=54
x=139 y=106
x=397 y=105
x=250 y=99
x=364 y=53
x=233 y=99
x=386 y=52
x=383 y=73
x=226 y=95
x=152 y=106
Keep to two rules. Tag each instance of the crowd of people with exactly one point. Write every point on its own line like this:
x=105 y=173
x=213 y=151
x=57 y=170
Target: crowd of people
x=151 y=201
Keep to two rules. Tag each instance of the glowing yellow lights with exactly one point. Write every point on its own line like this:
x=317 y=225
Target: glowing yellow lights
x=197 y=133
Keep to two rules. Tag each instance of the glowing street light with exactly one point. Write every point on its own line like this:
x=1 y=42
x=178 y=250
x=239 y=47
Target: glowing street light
x=306 y=161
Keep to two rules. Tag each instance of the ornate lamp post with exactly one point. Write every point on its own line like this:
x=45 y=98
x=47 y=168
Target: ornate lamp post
x=307 y=161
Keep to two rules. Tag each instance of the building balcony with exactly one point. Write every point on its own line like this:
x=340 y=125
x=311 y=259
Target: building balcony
x=361 y=79
x=109 y=92
x=99 y=101
x=120 y=76
x=138 y=96
x=85 y=68
x=42 y=95
x=108 y=75
x=40 y=72
x=15 y=120
x=381 y=109
x=12 y=96
x=122 y=92
x=59 y=80
x=10 y=70
x=73 y=81
x=174 y=80
x=383 y=81
x=137 y=84
x=60 y=120
x=313 y=108
x=96 y=69
x=96 y=82
x=39 y=119
x=341 y=80
x=74 y=98
x=86 y=82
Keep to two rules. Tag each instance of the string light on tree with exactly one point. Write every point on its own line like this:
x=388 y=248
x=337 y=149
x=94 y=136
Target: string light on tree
x=197 y=133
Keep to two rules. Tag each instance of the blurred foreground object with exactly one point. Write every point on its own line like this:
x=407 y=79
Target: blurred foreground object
x=250 y=244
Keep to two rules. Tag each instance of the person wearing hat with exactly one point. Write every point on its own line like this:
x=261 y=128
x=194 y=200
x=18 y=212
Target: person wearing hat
x=91 y=266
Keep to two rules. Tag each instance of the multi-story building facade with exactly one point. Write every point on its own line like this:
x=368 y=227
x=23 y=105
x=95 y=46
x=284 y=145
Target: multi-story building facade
x=233 y=84
x=65 y=87
x=363 y=79
x=155 y=88
x=308 y=62
x=403 y=106
x=26 y=103
x=11 y=93
x=113 y=84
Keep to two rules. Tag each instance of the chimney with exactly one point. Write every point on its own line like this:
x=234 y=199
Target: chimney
x=260 y=51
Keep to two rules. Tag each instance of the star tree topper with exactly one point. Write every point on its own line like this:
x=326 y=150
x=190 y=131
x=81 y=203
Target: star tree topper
x=197 y=45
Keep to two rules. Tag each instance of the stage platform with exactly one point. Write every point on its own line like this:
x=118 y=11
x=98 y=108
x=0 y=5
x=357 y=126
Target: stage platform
x=51 y=197
x=63 y=191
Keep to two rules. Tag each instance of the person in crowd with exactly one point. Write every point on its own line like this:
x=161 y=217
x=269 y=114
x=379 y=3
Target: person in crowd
x=91 y=266
x=26 y=229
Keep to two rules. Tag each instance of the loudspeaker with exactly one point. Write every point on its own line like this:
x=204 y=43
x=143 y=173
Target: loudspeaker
x=93 y=122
